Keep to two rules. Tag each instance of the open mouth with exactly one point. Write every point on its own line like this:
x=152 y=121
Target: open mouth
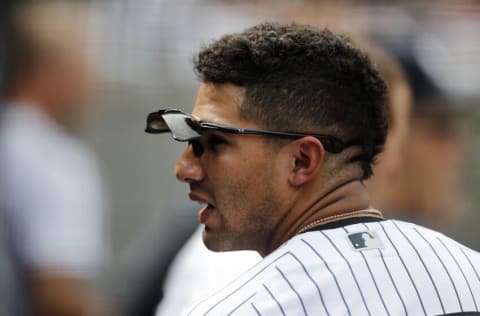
x=205 y=213
x=207 y=209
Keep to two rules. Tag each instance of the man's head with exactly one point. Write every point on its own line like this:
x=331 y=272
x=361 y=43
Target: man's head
x=299 y=78
x=429 y=188
x=287 y=78
x=51 y=68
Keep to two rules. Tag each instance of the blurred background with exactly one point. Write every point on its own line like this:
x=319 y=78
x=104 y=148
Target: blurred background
x=139 y=55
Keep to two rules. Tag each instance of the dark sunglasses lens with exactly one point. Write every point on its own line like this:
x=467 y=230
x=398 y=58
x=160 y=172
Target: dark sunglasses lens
x=197 y=147
x=157 y=126
x=181 y=126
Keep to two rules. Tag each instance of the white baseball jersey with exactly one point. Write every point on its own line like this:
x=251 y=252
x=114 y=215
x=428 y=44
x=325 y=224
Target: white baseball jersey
x=377 y=268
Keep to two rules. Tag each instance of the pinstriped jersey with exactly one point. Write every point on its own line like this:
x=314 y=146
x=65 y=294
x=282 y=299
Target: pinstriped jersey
x=377 y=268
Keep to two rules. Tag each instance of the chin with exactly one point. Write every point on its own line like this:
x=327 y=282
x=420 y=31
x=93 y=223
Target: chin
x=215 y=242
x=216 y=246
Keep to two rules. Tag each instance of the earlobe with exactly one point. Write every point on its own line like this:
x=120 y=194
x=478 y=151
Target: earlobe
x=308 y=156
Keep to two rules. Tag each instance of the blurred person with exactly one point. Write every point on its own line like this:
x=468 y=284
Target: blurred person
x=185 y=285
x=51 y=188
x=429 y=190
x=281 y=138
x=389 y=166
x=8 y=286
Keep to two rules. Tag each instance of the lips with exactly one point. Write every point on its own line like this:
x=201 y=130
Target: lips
x=206 y=211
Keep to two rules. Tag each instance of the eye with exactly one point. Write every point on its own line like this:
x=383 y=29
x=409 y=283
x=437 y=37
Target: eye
x=215 y=142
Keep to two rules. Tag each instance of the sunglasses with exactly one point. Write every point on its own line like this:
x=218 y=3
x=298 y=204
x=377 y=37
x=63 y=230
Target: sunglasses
x=185 y=128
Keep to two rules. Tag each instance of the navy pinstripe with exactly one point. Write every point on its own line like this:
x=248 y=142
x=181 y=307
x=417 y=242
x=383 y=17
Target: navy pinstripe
x=358 y=252
x=255 y=309
x=275 y=299
x=351 y=271
x=293 y=289
x=471 y=264
x=239 y=305
x=371 y=275
x=391 y=278
x=331 y=272
x=236 y=290
x=445 y=268
x=461 y=270
x=405 y=267
x=424 y=266
x=313 y=281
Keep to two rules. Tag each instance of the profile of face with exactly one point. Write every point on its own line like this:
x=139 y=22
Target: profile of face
x=237 y=177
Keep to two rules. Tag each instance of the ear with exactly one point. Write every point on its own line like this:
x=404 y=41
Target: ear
x=308 y=156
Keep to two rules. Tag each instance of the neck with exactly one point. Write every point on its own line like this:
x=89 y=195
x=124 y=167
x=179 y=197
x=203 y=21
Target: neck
x=348 y=197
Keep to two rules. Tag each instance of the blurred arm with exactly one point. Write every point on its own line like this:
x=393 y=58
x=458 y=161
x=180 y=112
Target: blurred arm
x=56 y=295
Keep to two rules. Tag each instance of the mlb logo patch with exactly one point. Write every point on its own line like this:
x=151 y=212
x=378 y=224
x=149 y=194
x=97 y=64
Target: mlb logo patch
x=365 y=240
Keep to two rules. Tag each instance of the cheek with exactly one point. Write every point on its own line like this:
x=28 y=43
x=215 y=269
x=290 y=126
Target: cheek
x=238 y=182
x=250 y=195
x=239 y=176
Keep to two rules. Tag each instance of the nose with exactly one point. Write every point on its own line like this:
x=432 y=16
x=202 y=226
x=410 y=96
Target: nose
x=189 y=168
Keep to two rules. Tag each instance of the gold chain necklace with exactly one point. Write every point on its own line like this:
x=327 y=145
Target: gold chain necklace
x=338 y=217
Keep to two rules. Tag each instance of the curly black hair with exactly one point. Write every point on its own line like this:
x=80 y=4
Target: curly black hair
x=303 y=79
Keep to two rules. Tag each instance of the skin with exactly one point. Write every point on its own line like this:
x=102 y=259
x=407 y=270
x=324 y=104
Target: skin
x=62 y=295
x=57 y=91
x=57 y=294
x=262 y=194
x=58 y=84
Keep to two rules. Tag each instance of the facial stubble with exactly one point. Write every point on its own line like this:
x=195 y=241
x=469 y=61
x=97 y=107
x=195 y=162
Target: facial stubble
x=247 y=214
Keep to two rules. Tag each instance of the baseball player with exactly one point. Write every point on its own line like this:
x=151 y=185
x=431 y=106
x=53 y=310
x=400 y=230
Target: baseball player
x=286 y=126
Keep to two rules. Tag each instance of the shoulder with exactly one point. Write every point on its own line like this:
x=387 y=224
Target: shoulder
x=356 y=265
x=30 y=137
x=32 y=146
x=286 y=281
